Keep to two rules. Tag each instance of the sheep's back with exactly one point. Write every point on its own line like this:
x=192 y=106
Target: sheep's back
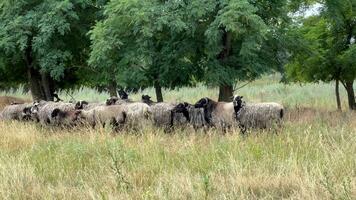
x=13 y=112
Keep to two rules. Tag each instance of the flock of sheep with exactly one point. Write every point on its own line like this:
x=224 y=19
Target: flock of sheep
x=123 y=113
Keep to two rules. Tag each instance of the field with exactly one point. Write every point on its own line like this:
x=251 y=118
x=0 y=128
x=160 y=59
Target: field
x=312 y=157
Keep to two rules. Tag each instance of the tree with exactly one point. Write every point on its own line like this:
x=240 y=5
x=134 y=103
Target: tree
x=243 y=40
x=328 y=53
x=45 y=39
x=144 y=43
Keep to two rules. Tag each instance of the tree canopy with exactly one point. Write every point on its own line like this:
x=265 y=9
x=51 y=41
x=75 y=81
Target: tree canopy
x=328 y=50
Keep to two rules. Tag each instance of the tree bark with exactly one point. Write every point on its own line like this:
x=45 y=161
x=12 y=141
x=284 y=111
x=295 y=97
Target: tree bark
x=158 y=90
x=350 y=94
x=226 y=93
x=112 y=88
x=337 y=94
x=225 y=90
x=47 y=86
x=34 y=83
x=33 y=75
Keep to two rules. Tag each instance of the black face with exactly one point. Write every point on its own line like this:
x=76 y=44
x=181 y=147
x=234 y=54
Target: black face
x=26 y=113
x=111 y=101
x=202 y=103
x=181 y=107
x=238 y=100
x=123 y=94
x=146 y=99
x=80 y=105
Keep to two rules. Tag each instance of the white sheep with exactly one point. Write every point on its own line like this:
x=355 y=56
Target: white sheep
x=102 y=114
x=257 y=115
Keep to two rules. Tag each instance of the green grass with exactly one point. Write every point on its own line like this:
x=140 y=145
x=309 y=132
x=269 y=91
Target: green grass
x=312 y=157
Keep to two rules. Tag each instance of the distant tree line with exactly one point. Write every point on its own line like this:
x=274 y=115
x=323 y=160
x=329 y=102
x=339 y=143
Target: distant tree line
x=51 y=45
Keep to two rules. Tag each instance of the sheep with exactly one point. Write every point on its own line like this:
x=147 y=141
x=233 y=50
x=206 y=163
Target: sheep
x=137 y=114
x=102 y=114
x=217 y=114
x=195 y=116
x=16 y=112
x=257 y=115
x=117 y=101
x=86 y=105
x=55 y=113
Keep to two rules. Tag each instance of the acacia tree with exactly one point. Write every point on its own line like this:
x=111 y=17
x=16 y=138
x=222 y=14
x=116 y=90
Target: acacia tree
x=243 y=39
x=143 y=44
x=328 y=53
x=45 y=38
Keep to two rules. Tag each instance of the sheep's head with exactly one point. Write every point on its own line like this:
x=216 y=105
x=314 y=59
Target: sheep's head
x=238 y=100
x=181 y=107
x=123 y=94
x=80 y=105
x=26 y=113
x=146 y=99
x=111 y=101
x=202 y=103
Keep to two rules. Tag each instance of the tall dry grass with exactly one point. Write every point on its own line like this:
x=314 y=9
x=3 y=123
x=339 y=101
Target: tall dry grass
x=311 y=157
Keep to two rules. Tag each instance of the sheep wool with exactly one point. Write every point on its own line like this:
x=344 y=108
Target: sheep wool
x=15 y=112
x=260 y=115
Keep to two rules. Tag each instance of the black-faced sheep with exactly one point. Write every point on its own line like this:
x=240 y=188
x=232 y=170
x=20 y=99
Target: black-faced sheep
x=56 y=113
x=80 y=105
x=195 y=116
x=257 y=115
x=117 y=101
x=16 y=112
x=217 y=114
x=163 y=115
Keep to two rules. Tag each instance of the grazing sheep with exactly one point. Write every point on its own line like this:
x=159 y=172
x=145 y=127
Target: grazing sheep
x=163 y=115
x=16 y=112
x=217 y=114
x=195 y=116
x=257 y=115
x=116 y=101
x=86 y=105
x=102 y=114
x=138 y=114
x=55 y=113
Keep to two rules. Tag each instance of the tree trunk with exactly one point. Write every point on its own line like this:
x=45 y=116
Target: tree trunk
x=226 y=93
x=112 y=88
x=47 y=86
x=337 y=93
x=350 y=94
x=35 y=84
x=158 y=90
x=33 y=75
x=225 y=90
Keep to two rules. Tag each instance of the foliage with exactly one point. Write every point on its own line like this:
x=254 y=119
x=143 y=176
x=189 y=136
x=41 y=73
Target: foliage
x=52 y=32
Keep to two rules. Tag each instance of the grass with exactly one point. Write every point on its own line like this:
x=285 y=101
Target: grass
x=312 y=157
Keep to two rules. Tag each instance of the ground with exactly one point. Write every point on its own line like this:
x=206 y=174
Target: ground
x=312 y=157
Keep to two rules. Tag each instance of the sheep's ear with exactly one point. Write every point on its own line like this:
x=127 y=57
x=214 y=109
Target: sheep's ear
x=55 y=112
x=242 y=97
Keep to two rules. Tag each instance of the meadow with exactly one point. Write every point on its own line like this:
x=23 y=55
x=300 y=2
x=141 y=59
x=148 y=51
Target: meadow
x=312 y=157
